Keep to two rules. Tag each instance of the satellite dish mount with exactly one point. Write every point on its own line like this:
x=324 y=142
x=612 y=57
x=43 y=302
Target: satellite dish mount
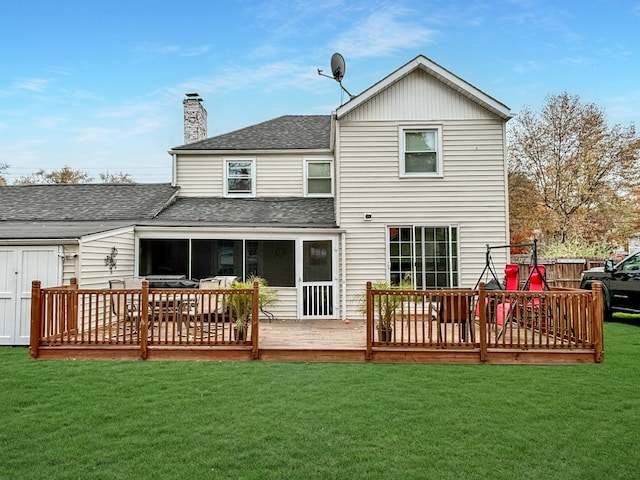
x=338 y=68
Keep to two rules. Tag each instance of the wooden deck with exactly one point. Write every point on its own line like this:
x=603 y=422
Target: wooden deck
x=552 y=327
x=313 y=340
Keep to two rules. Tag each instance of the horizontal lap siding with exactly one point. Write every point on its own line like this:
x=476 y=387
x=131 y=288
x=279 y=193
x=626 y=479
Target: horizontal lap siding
x=285 y=307
x=276 y=175
x=94 y=272
x=279 y=176
x=70 y=265
x=199 y=175
x=470 y=194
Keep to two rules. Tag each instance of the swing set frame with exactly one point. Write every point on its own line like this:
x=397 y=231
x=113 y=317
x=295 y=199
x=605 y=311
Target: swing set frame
x=489 y=267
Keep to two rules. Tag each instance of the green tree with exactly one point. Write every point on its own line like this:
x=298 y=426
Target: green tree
x=581 y=170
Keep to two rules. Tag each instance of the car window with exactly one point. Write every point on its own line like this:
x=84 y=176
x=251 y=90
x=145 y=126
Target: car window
x=632 y=264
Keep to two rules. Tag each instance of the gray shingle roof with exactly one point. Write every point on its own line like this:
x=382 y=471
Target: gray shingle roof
x=83 y=202
x=50 y=230
x=249 y=212
x=289 y=132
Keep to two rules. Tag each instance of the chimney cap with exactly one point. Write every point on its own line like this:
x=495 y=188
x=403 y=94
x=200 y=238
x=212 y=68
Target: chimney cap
x=192 y=95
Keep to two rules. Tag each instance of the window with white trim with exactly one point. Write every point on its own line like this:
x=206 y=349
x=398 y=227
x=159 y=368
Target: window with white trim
x=240 y=178
x=427 y=256
x=420 y=154
x=318 y=177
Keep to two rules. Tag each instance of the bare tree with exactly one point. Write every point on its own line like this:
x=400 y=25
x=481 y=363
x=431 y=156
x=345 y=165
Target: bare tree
x=120 y=177
x=3 y=168
x=580 y=167
x=65 y=175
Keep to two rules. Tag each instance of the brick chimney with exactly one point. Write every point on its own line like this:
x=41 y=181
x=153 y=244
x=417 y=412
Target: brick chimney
x=195 y=119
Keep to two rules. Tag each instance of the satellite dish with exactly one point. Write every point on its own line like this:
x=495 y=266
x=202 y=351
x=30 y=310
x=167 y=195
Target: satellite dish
x=338 y=67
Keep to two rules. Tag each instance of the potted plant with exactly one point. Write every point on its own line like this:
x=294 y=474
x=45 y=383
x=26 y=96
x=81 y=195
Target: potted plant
x=240 y=303
x=385 y=307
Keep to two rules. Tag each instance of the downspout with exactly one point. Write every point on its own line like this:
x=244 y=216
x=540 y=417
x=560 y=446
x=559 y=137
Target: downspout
x=505 y=164
x=173 y=170
x=335 y=146
x=343 y=265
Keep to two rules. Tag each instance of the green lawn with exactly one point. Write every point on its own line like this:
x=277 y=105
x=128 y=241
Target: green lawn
x=254 y=420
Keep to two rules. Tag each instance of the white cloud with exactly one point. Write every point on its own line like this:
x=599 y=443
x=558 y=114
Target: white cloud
x=383 y=33
x=526 y=67
x=268 y=76
x=94 y=135
x=159 y=49
x=32 y=84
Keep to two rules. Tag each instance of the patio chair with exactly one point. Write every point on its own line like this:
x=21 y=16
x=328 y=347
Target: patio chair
x=204 y=307
x=124 y=306
x=125 y=310
x=534 y=313
x=455 y=309
x=512 y=283
x=133 y=283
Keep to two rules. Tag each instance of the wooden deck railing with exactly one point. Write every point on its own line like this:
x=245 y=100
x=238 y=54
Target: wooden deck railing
x=452 y=326
x=142 y=318
x=485 y=320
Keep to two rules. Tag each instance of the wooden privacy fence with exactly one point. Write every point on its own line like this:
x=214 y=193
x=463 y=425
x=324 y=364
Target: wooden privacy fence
x=560 y=272
x=140 y=320
x=487 y=321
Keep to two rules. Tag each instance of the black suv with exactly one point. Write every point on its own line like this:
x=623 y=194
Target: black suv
x=620 y=285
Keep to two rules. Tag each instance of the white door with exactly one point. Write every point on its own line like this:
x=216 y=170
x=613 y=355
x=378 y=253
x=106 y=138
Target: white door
x=317 y=291
x=19 y=266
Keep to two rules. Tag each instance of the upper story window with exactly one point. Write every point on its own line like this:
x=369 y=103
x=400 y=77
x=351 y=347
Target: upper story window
x=240 y=178
x=318 y=177
x=420 y=154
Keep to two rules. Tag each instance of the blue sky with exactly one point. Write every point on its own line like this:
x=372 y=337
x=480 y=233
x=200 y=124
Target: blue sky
x=98 y=85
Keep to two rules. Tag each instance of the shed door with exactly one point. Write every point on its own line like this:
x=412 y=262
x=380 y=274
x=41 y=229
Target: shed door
x=19 y=266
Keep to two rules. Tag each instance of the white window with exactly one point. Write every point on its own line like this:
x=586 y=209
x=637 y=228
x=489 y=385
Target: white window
x=318 y=177
x=420 y=151
x=426 y=256
x=240 y=178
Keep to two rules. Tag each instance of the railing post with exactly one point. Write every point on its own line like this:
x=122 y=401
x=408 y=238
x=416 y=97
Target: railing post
x=36 y=318
x=597 y=321
x=369 y=322
x=482 y=307
x=144 y=320
x=255 y=309
x=72 y=305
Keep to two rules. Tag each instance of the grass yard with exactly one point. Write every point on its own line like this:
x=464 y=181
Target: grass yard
x=201 y=420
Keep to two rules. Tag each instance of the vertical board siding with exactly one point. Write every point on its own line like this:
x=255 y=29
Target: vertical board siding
x=419 y=96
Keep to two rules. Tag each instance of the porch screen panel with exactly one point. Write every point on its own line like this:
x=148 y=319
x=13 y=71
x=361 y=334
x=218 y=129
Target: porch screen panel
x=213 y=257
x=273 y=260
x=164 y=257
